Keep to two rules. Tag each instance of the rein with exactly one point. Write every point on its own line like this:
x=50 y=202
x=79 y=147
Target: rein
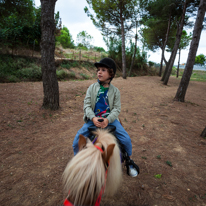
x=97 y=203
x=99 y=148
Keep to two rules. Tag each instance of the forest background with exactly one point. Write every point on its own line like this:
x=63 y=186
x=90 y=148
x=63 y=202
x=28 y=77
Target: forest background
x=18 y=33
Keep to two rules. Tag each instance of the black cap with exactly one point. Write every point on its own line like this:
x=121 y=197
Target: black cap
x=108 y=63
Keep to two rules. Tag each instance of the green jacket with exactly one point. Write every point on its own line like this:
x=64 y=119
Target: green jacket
x=90 y=100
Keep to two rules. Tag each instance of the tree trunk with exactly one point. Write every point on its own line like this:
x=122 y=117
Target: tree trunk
x=178 y=66
x=165 y=61
x=203 y=134
x=180 y=95
x=161 y=63
x=166 y=70
x=135 y=50
x=164 y=45
x=176 y=46
x=49 y=78
x=124 y=75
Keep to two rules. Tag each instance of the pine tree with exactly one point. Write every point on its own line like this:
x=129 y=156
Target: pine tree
x=181 y=92
x=114 y=17
x=50 y=83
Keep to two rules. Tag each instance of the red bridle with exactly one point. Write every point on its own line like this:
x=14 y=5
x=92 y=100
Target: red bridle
x=97 y=203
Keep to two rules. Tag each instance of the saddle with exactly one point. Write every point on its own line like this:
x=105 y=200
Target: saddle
x=124 y=155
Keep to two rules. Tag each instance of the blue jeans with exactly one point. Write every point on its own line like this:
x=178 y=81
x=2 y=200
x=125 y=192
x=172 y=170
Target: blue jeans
x=120 y=133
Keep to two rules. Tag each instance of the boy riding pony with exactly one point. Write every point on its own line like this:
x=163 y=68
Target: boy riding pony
x=102 y=102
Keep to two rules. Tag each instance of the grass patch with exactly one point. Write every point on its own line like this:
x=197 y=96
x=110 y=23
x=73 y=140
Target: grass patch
x=158 y=176
x=158 y=156
x=84 y=76
x=169 y=163
x=196 y=75
x=72 y=75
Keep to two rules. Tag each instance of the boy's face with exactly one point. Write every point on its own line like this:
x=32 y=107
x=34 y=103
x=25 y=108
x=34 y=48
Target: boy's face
x=103 y=74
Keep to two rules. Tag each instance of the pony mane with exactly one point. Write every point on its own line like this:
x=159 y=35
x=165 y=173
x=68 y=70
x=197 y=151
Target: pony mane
x=114 y=175
x=84 y=176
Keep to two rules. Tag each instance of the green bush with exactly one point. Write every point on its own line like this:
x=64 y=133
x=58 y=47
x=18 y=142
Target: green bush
x=74 y=64
x=151 y=63
x=14 y=68
x=31 y=73
x=61 y=74
x=66 y=66
x=65 y=38
x=99 y=49
x=13 y=79
x=84 y=76
x=174 y=71
x=24 y=73
x=104 y=54
x=181 y=71
x=7 y=66
x=20 y=63
x=82 y=48
x=72 y=75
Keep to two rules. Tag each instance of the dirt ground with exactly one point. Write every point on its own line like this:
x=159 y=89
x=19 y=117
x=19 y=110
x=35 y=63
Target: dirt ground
x=35 y=144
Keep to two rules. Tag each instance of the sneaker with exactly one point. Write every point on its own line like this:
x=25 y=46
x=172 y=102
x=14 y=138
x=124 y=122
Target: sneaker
x=132 y=171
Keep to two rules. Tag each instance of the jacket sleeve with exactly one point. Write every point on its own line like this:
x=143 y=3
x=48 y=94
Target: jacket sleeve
x=115 y=110
x=88 y=112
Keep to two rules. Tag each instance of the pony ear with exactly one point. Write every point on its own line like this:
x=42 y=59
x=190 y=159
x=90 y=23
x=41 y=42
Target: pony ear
x=110 y=150
x=82 y=142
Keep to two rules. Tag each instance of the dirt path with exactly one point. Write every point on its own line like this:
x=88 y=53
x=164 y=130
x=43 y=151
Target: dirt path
x=36 y=145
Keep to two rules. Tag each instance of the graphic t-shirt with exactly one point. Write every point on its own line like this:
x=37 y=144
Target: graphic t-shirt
x=102 y=104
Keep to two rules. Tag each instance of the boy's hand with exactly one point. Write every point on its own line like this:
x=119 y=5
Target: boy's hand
x=100 y=124
x=105 y=123
x=96 y=122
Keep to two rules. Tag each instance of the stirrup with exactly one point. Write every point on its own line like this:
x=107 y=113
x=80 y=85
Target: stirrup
x=131 y=162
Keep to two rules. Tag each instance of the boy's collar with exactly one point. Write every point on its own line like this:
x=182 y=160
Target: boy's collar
x=102 y=83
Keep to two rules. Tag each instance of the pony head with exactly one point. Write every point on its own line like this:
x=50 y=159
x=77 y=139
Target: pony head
x=84 y=176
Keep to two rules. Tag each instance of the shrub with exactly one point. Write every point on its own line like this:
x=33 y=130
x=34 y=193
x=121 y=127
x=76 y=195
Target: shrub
x=74 y=64
x=84 y=76
x=61 y=74
x=12 y=78
x=72 y=75
x=151 y=63
x=15 y=68
x=20 y=63
x=31 y=73
x=99 y=49
x=66 y=66
x=82 y=48
x=103 y=55
x=174 y=71
x=7 y=66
